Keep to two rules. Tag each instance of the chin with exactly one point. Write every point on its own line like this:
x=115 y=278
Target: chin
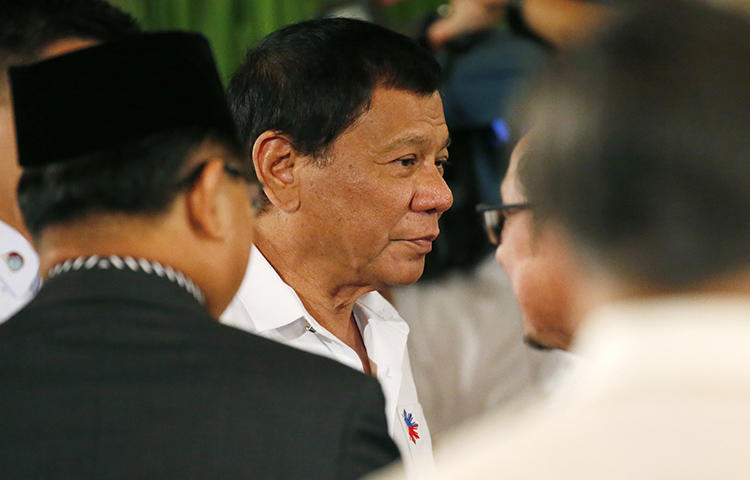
x=404 y=274
x=535 y=344
x=544 y=339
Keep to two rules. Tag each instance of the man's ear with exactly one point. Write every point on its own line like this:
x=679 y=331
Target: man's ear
x=203 y=201
x=276 y=163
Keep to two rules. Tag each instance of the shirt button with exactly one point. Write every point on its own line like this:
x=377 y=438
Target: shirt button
x=14 y=261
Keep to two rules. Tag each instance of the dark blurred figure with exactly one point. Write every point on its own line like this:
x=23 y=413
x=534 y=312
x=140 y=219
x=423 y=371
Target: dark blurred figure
x=140 y=203
x=640 y=159
x=553 y=23
x=31 y=30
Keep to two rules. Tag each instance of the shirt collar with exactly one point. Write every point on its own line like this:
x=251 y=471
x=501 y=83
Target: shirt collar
x=653 y=335
x=634 y=320
x=272 y=304
x=269 y=301
x=26 y=278
x=375 y=307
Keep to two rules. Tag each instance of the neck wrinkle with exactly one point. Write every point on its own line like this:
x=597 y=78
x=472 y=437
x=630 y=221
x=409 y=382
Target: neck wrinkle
x=322 y=292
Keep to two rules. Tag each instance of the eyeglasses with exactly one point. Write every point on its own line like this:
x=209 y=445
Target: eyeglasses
x=256 y=201
x=494 y=216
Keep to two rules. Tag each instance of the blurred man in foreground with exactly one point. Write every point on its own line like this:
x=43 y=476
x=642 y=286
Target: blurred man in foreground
x=29 y=31
x=347 y=135
x=141 y=207
x=641 y=162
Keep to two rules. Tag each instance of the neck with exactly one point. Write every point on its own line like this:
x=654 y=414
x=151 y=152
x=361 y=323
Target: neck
x=58 y=243
x=323 y=289
x=125 y=237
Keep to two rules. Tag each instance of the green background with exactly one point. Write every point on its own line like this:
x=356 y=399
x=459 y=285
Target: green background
x=234 y=25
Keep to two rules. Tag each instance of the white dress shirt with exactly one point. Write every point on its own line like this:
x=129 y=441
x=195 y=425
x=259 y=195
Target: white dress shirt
x=19 y=267
x=466 y=346
x=267 y=306
x=663 y=394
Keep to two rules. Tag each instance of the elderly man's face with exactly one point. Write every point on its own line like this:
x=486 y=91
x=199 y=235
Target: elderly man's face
x=375 y=206
x=535 y=268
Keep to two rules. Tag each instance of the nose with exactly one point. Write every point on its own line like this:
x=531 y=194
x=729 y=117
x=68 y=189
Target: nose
x=432 y=194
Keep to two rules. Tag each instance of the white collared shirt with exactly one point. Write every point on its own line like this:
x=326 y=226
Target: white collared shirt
x=19 y=267
x=662 y=393
x=267 y=306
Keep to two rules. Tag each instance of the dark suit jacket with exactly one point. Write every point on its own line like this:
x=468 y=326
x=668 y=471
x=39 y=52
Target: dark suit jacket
x=118 y=374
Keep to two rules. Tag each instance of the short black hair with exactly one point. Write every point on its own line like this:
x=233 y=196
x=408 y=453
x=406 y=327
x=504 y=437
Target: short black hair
x=141 y=177
x=313 y=79
x=642 y=148
x=29 y=26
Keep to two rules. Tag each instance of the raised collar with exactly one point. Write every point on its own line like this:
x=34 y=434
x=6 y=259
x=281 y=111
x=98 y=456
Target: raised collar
x=677 y=338
x=142 y=265
x=634 y=322
x=135 y=289
x=269 y=301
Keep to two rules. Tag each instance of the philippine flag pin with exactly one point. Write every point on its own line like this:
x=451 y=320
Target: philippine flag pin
x=412 y=426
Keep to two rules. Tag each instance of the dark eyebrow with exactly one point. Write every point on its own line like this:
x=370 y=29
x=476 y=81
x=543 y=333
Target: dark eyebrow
x=414 y=140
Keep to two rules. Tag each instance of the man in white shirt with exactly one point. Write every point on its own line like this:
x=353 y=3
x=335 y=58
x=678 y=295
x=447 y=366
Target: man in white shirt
x=29 y=31
x=346 y=132
x=640 y=161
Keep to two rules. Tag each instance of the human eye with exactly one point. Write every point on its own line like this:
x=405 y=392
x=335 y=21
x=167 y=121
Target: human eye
x=441 y=163
x=406 y=161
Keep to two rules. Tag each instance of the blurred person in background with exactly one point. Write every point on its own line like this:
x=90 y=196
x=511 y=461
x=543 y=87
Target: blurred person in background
x=462 y=313
x=347 y=135
x=531 y=255
x=140 y=203
x=640 y=161
x=556 y=23
x=32 y=30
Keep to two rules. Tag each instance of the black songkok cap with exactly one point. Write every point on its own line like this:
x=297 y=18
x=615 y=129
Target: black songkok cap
x=99 y=97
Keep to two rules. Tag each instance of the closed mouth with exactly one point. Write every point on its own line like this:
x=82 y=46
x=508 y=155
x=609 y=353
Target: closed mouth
x=423 y=244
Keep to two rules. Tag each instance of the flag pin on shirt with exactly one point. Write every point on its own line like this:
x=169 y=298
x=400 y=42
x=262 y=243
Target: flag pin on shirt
x=14 y=260
x=412 y=426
